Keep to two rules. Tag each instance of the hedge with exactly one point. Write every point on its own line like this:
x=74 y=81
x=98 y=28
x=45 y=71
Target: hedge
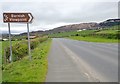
x=19 y=50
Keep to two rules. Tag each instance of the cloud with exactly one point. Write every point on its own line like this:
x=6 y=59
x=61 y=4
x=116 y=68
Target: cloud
x=48 y=15
x=59 y=1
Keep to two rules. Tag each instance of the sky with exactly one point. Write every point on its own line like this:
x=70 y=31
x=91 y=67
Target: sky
x=49 y=14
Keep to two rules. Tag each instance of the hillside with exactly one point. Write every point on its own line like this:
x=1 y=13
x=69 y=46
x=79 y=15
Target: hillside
x=108 y=34
x=73 y=27
x=88 y=26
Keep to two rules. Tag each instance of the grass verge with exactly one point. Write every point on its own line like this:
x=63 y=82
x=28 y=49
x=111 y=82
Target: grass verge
x=94 y=39
x=25 y=70
x=0 y=62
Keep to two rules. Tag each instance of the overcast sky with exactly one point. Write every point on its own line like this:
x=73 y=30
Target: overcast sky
x=49 y=14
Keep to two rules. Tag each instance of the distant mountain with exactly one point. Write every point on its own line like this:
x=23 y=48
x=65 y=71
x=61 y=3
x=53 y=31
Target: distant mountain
x=76 y=27
x=110 y=22
x=107 y=23
x=73 y=27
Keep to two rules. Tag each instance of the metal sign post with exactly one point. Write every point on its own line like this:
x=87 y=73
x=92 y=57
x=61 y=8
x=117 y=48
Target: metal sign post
x=29 y=49
x=18 y=18
x=10 y=43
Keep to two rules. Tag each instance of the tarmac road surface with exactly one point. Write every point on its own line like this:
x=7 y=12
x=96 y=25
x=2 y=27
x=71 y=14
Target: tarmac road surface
x=80 y=61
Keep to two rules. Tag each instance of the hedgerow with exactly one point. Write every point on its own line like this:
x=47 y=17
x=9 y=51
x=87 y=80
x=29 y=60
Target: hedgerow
x=20 y=49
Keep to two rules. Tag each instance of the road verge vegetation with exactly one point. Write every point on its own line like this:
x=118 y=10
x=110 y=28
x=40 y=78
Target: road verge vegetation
x=24 y=70
x=0 y=62
x=20 y=49
x=94 y=39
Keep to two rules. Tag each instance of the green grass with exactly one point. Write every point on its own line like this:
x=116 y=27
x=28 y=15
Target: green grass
x=109 y=35
x=0 y=50
x=86 y=31
x=0 y=61
x=71 y=33
x=108 y=32
x=63 y=34
x=93 y=39
x=29 y=71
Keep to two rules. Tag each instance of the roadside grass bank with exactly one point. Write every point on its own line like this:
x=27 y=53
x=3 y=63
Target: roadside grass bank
x=25 y=70
x=0 y=61
x=94 y=39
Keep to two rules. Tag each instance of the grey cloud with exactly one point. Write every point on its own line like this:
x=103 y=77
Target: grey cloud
x=52 y=13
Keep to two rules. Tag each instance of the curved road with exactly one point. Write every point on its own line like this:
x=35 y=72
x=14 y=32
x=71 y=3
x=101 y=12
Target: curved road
x=79 y=61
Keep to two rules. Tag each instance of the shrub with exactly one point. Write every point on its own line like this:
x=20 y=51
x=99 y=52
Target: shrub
x=77 y=35
x=19 y=50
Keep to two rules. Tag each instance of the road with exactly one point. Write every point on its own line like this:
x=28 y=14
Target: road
x=79 y=61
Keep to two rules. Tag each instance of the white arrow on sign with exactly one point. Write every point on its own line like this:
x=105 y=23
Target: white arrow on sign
x=30 y=17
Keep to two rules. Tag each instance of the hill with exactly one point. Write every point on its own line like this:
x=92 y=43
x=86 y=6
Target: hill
x=88 y=26
x=73 y=27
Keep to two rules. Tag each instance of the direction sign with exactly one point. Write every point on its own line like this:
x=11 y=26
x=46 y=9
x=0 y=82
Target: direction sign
x=17 y=17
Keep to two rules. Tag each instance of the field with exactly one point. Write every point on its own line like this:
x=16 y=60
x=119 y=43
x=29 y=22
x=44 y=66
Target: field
x=29 y=71
x=100 y=35
x=62 y=34
x=108 y=32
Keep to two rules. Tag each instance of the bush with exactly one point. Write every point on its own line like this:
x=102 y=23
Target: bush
x=34 y=43
x=77 y=35
x=19 y=50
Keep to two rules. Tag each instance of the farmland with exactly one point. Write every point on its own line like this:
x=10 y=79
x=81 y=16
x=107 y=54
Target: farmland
x=100 y=35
